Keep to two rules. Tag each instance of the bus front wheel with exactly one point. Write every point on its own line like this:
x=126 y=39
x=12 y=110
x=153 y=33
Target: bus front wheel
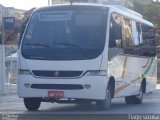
x=32 y=104
x=105 y=104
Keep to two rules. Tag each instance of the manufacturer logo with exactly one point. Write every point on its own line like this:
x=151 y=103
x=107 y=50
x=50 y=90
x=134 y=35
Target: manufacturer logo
x=56 y=74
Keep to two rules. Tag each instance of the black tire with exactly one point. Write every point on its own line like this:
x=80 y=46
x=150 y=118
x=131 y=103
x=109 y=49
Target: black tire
x=105 y=104
x=32 y=104
x=138 y=98
x=129 y=99
x=135 y=99
x=85 y=103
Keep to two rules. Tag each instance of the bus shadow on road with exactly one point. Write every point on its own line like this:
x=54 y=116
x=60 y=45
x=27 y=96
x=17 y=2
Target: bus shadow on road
x=83 y=108
x=118 y=107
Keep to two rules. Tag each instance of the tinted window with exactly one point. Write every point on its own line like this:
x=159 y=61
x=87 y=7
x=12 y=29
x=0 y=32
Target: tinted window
x=130 y=37
x=65 y=35
x=144 y=41
x=149 y=43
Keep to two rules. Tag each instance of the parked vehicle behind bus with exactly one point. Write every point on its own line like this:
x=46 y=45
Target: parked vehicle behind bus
x=84 y=53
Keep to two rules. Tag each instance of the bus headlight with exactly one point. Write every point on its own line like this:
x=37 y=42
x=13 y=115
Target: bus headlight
x=96 y=73
x=24 y=72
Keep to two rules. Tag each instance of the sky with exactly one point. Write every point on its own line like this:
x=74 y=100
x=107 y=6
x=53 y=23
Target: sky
x=24 y=4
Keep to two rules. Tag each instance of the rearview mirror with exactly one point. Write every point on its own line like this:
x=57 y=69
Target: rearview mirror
x=118 y=31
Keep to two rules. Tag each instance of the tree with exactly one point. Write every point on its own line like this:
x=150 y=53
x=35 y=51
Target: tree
x=149 y=9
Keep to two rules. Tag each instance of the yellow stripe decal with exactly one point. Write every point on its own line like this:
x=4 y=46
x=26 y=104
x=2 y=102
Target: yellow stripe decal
x=124 y=67
x=121 y=88
x=145 y=64
x=128 y=84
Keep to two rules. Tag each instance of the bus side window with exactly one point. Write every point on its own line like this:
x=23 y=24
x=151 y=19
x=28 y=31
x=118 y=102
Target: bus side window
x=112 y=41
x=127 y=39
x=115 y=34
x=149 y=43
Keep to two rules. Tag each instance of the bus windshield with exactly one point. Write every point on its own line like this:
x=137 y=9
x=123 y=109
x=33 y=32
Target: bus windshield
x=65 y=35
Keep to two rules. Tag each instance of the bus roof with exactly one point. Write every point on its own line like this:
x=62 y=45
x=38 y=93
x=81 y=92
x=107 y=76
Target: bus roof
x=114 y=8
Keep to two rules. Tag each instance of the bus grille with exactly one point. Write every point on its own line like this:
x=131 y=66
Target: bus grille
x=57 y=74
x=57 y=86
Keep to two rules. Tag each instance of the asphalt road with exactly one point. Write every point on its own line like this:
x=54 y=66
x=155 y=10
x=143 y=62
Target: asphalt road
x=11 y=104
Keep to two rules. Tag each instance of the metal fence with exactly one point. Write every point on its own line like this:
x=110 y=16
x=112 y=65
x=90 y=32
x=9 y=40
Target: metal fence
x=10 y=69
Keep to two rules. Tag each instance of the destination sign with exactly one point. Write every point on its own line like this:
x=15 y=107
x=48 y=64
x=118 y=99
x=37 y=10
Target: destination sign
x=55 y=16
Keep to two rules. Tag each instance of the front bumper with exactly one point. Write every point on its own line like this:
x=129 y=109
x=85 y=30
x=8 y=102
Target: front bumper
x=95 y=90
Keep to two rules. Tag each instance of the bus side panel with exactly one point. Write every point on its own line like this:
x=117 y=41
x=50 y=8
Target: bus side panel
x=129 y=71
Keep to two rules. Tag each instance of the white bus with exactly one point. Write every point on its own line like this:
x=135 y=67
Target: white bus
x=84 y=53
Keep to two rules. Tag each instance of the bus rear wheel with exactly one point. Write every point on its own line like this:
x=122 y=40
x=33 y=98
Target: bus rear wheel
x=135 y=99
x=83 y=102
x=32 y=104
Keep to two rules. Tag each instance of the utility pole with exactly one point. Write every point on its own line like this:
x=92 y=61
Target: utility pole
x=1 y=69
x=2 y=61
x=48 y=2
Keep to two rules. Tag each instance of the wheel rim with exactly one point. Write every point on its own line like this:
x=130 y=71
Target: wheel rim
x=108 y=98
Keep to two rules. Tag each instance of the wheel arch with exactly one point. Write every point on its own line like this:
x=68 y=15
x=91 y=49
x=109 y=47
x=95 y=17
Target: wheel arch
x=143 y=85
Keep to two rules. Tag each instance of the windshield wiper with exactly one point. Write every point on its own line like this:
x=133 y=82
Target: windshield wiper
x=42 y=45
x=72 y=45
x=37 y=44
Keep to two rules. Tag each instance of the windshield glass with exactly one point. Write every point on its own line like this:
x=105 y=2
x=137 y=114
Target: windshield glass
x=65 y=35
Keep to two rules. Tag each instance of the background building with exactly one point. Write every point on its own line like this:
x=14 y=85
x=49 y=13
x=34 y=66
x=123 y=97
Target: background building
x=11 y=36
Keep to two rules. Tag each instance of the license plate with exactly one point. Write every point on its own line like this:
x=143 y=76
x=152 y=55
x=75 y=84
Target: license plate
x=56 y=94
